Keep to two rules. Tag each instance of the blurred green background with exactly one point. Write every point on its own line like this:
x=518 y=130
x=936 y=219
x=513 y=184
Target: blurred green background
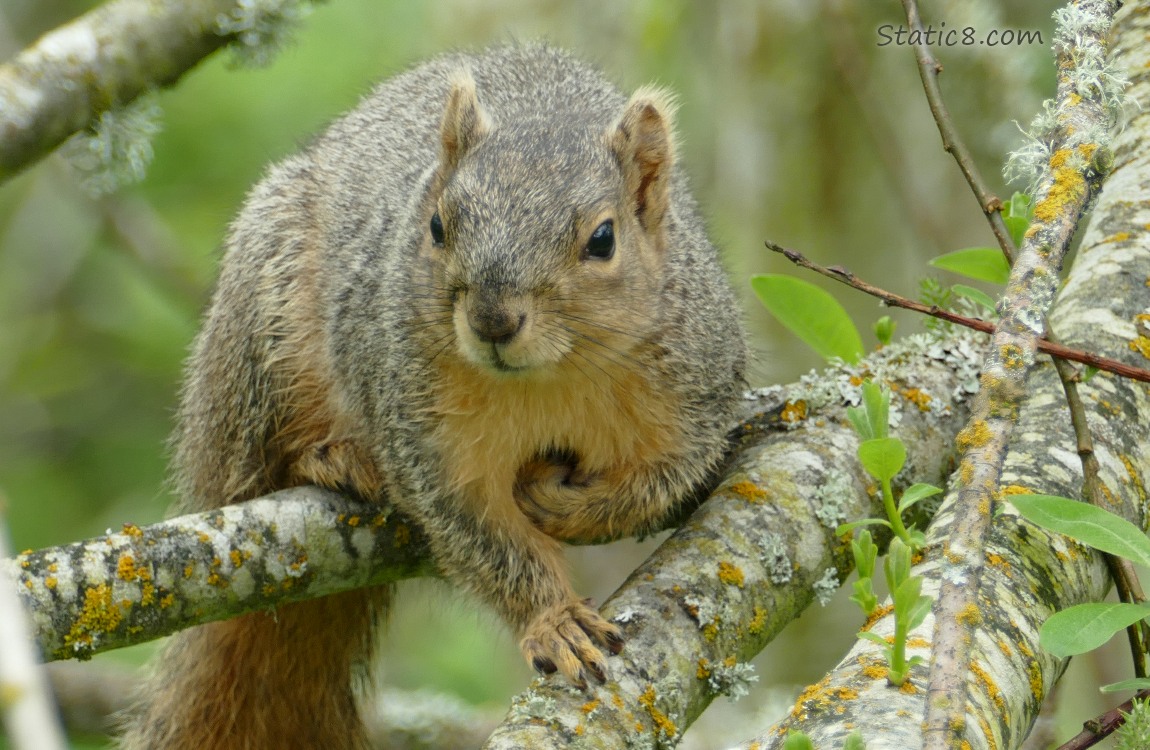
x=796 y=126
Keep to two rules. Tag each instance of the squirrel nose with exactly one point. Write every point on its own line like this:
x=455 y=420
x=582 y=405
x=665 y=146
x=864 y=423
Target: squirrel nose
x=495 y=325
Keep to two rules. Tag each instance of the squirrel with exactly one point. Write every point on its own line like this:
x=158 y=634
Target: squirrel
x=485 y=296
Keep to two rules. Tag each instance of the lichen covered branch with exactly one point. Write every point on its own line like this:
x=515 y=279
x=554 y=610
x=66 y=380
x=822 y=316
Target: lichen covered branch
x=1079 y=158
x=105 y=59
x=141 y=583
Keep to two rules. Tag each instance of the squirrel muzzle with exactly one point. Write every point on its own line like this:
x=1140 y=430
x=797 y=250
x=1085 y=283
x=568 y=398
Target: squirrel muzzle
x=499 y=332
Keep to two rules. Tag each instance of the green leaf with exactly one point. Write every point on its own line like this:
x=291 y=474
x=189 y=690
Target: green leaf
x=1137 y=683
x=876 y=401
x=798 y=741
x=846 y=528
x=854 y=741
x=882 y=457
x=884 y=329
x=1087 y=523
x=1088 y=372
x=864 y=596
x=977 y=296
x=1016 y=226
x=1017 y=213
x=982 y=263
x=916 y=492
x=866 y=635
x=1085 y=627
x=810 y=313
x=865 y=553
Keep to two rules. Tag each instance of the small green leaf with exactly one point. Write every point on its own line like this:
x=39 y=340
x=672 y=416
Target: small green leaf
x=982 y=263
x=810 y=313
x=866 y=635
x=876 y=401
x=919 y=610
x=854 y=741
x=1088 y=524
x=798 y=741
x=882 y=457
x=864 y=595
x=1088 y=372
x=884 y=329
x=865 y=553
x=916 y=492
x=917 y=538
x=846 y=528
x=977 y=296
x=1085 y=627
x=1137 y=683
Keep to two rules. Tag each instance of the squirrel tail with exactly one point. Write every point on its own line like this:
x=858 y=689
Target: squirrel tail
x=281 y=679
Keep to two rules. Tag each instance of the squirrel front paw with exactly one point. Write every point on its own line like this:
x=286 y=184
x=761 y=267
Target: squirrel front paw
x=560 y=497
x=567 y=637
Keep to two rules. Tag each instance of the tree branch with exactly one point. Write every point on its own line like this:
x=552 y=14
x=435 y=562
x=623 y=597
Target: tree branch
x=1029 y=573
x=146 y=582
x=102 y=60
x=1073 y=175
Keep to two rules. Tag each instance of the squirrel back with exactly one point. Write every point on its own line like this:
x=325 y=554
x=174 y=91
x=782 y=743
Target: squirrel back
x=484 y=295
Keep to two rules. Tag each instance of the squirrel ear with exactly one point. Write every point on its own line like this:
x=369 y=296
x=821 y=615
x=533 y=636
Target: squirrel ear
x=644 y=144
x=465 y=123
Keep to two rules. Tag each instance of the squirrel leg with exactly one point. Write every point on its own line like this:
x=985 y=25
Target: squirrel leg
x=522 y=574
x=281 y=679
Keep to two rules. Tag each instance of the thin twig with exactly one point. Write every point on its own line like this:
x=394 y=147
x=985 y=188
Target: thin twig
x=1100 y=727
x=928 y=70
x=838 y=273
x=1121 y=569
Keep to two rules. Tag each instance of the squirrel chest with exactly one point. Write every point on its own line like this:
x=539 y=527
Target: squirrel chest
x=488 y=428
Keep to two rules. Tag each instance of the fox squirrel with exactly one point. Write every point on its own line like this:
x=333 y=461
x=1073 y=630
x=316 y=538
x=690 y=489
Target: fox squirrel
x=484 y=295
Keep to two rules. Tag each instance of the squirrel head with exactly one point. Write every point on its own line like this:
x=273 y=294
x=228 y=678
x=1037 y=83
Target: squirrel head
x=548 y=233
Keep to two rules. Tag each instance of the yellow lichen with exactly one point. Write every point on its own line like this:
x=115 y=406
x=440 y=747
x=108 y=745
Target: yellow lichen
x=1116 y=237
x=663 y=724
x=133 y=530
x=974 y=435
x=731 y=574
x=877 y=614
x=402 y=535
x=1013 y=357
x=590 y=706
x=758 y=620
x=1135 y=477
x=237 y=558
x=167 y=601
x=970 y=615
x=794 y=411
x=703 y=671
x=353 y=521
x=98 y=615
x=991 y=688
x=907 y=688
x=1016 y=489
x=50 y=582
x=1069 y=186
x=918 y=397
x=749 y=491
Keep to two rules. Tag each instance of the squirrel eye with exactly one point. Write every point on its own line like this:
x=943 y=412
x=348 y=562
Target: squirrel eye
x=601 y=246
x=436 y=229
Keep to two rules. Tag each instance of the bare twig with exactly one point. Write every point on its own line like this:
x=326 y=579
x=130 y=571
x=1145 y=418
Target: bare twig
x=1100 y=727
x=1093 y=489
x=838 y=273
x=929 y=69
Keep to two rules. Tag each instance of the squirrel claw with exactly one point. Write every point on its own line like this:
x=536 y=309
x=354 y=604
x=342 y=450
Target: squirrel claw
x=568 y=638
